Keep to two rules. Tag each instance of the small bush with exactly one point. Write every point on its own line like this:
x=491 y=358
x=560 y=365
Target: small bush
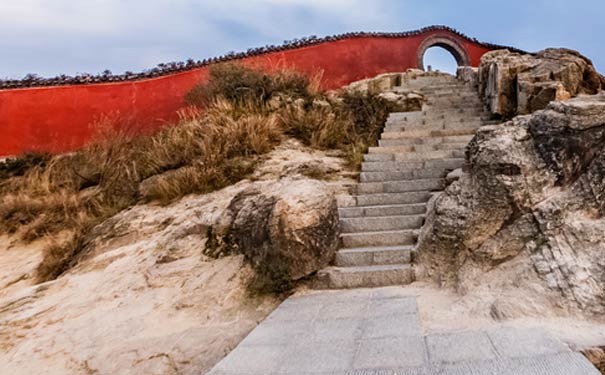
x=13 y=167
x=352 y=124
x=239 y=84
x=58 y=256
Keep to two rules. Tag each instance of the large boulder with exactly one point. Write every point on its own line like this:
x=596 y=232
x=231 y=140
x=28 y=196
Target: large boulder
x=287 y=229
x=512 y=83
x=528 y=213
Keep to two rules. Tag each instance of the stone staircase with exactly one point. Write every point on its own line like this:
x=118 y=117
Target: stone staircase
x=417 y=150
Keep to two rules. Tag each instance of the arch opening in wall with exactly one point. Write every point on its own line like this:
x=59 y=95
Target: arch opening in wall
x=439 y=59
x=436 y=44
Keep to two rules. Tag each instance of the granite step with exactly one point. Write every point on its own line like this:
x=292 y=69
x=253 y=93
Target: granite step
x=473 y=123
x=382 y=238
x=421 y=122
x=426 y=140
x=429 y=184
x=366 y=277
x=434 y=112
x=380 y=223
x=383 y=210
x=402 y=175
x=420 y=133
x=382 y=166
x=418 y=148
x=391 y=198
x=414 y=155
x=374 y=256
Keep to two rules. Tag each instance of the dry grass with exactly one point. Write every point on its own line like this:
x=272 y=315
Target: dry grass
x=209 y=149
x=77 y=191
x=238 y=84
x=351 y=124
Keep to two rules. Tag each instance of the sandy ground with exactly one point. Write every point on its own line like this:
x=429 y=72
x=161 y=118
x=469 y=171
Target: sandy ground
x=144 y=299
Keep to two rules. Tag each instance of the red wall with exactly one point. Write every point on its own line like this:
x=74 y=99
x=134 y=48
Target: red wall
x=60 y=118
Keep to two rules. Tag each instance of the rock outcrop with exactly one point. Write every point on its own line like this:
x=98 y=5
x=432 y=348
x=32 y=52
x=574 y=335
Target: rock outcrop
x=514 y=83
x=143 y=298
x=286 y=229
x=399 y=100
x=528 y=213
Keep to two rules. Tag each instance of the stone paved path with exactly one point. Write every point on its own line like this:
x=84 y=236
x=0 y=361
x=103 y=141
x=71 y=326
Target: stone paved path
x=381 y=219
x=377 y=331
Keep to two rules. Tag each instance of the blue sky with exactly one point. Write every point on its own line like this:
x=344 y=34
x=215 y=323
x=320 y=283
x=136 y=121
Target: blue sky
x=50 y=37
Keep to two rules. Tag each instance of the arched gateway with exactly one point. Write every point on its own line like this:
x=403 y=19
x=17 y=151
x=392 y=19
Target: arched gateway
x=55 y=114
x=447 y=42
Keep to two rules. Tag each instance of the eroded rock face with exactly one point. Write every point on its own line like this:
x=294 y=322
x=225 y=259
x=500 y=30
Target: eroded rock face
x=286 y=229
x=529 y=209
x=143 y=298
x=512 y=83
x=384 y=84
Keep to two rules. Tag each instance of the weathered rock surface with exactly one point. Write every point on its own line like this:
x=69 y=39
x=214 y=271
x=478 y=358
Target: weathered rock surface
x=144 y=299
x=403 y=101
x=468 y=75
x=287 y=229
x=513 y=83
x=528 y=214
x=383 y=85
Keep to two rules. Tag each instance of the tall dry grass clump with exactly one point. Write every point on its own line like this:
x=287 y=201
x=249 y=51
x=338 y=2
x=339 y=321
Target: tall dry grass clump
x=242 y=85
x=235 y=117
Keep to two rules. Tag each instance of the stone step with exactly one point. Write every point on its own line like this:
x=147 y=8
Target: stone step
x=374 y=256
x=418 y=148
x=470 y=99
x=387 y=166
x=450 y=90
x=384 y=238
x=365 y=277
x=431 y=81
x=380 y=223
x=461 y=96
x=437 y=126
x=436 y=119
x=431 y=184
x=434 y=112
x=402 y=175
x=384 y=210
x=420 y=133
x=391 y=198
x=466 y=138
x=436 y=115
x=451 y=107
x=415 y=155
x=419 y=121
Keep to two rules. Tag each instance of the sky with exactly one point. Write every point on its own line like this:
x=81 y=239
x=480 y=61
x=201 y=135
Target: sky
x=50 y=37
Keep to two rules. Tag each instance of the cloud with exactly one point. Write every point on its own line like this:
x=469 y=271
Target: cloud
x=67 y=36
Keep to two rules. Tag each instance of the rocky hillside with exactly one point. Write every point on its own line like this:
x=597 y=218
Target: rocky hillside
x=524 y=224
x=157 y=254
x=144 y=299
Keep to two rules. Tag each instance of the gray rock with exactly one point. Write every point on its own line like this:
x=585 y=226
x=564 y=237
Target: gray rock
x=530 y=206
x=286 y=229
x=468 y=75
x=513 y=83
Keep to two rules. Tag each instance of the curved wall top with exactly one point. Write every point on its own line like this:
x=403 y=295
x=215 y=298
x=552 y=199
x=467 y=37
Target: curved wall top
x=57 y=115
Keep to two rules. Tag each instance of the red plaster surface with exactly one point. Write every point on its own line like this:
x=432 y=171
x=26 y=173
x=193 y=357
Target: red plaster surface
x=59 y=119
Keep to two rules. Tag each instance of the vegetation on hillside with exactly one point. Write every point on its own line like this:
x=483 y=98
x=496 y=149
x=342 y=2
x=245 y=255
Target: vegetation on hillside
x=238 y=115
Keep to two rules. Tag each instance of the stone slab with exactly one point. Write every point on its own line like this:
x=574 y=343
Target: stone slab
x=391 y=352
x=460 y=347
x=513 y=343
